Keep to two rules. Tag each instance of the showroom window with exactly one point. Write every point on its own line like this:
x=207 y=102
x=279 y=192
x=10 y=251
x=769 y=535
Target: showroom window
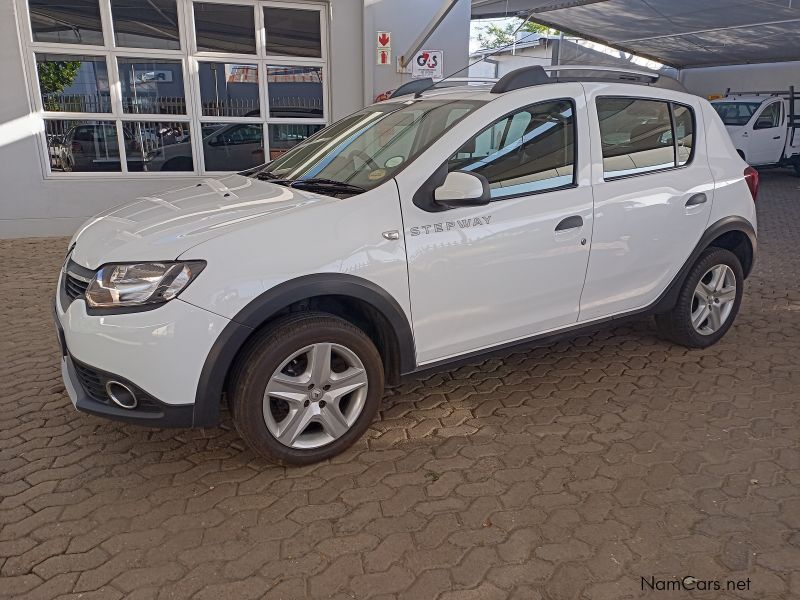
x=174 y=86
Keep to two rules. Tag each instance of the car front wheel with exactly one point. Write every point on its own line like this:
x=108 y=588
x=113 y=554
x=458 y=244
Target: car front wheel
x=708 y=301
x=306 y=388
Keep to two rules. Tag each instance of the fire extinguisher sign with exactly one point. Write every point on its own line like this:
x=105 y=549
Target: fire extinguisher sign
x=428 y=63
x=383 y=50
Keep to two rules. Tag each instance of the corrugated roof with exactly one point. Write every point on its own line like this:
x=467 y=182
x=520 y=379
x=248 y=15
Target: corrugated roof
x=681 y=33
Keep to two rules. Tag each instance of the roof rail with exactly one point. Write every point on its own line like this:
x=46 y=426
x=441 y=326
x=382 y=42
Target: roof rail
x=418 y=86
x=521 y=78
x=621 y=74
x=538 y=75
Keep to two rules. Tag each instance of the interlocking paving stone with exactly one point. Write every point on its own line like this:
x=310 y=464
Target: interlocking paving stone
x=566 y=470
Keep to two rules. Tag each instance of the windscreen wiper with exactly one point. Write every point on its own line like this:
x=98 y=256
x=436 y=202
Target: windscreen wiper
x=324 y=185
x=266 y=176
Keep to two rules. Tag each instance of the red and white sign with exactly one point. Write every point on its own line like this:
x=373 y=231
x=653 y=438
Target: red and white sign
x=428 y=63
x=383 y=56
x=384 y=39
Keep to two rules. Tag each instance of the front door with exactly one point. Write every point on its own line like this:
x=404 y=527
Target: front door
x=768 y=137
x=483 y=276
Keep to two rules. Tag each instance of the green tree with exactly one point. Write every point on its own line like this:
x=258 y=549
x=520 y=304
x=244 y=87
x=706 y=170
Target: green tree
x=495 y=36
x=54 y=77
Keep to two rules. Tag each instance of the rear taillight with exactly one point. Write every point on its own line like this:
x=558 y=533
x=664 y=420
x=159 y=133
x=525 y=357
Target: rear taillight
x=751 y=177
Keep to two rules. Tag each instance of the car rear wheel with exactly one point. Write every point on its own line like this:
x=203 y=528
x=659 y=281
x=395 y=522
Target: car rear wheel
x=708 y=301
x=306 y=388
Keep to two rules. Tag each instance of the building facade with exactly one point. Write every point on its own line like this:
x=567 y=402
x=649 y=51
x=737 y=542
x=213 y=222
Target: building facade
x=108 y=100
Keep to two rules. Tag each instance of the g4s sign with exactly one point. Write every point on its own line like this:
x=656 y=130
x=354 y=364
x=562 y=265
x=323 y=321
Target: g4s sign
x=428 y=63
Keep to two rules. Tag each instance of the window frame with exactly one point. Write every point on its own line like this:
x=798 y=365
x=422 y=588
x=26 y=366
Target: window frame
x=670 y=106
x=566 y=186
x=189 y=58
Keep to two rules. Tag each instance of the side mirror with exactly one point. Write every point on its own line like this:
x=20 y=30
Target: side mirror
x=462 y=188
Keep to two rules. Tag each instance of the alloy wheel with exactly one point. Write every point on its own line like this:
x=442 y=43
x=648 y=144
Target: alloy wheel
x=713 y=299
x=315 y=396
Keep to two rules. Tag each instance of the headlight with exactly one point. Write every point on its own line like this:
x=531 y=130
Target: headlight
x=140 y=284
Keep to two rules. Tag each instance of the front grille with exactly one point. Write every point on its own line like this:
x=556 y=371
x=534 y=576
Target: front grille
x=74 y=287
x=94 y=383
x=75 y=281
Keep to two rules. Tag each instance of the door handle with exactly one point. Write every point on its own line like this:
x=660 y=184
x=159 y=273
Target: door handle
x=696 y=200
x=572 y=222
x=777 y=137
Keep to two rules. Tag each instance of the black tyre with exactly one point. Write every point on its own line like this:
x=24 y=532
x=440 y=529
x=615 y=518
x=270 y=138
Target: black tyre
x=797 y=167
x=708 y=302
x=305 y=388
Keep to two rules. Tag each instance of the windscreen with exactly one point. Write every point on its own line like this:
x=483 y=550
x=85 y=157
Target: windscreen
x=735 y=113
x=370 y=146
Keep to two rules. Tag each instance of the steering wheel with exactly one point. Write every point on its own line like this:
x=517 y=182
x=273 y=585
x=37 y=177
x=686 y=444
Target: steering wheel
x=366 y=158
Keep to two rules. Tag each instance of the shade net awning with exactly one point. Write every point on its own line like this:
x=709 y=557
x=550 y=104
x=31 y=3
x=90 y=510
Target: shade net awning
x=680 y=33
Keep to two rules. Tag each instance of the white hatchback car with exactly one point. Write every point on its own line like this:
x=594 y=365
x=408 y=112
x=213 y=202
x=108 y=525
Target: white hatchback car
x=422 y=230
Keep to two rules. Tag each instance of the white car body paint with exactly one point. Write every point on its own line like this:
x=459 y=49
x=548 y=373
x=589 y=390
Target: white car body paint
x=466 y=279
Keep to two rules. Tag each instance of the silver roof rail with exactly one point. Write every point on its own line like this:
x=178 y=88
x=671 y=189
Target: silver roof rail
x=620 y=74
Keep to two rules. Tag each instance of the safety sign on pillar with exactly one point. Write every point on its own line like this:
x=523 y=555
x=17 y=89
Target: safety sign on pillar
x=383 y=51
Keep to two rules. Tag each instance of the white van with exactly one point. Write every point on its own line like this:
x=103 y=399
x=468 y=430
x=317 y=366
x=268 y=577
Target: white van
x=763 y=126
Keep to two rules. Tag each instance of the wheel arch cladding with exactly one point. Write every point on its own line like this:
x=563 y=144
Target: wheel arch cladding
x=357 y=300
x=732 y=233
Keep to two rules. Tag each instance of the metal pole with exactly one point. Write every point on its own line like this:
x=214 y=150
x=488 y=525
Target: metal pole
x=443 y=11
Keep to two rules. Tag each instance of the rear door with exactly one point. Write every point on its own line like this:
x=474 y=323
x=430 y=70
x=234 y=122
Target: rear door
x=653 y=191
x=768 y=137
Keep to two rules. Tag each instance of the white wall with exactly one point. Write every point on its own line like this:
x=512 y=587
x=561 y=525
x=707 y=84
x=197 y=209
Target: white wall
x=709 y=81
x=31 y=205
x=406 y=19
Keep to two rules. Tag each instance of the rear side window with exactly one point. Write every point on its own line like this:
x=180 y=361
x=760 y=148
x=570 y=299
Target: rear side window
x=640 y=135
x=528 y=151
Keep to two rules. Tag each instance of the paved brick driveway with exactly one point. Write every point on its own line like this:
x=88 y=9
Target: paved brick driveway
x=565 y=471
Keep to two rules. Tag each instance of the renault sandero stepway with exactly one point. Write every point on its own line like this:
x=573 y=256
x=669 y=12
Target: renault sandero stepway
x=445 y=222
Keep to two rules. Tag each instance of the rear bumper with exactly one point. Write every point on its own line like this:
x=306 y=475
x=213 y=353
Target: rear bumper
x=149 y=412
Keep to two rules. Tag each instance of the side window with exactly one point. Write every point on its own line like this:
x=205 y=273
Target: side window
x=769 y=117
x=684 y=132
x=638 y=135
x=529 y=151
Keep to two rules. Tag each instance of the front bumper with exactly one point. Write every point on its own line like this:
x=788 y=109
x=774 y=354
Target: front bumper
x=158 y=353
x=152 y=413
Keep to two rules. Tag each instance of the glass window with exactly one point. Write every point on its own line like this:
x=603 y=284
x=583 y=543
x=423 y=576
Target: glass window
x=158 y=147
x=529 y=151
x=152 y=86
x=82 y=145
x=229 y=89
x=284 y=136
x=295 y=92
x=770 y=117
x=684 y=132
x=369 y=147
x=293 y=32
x=232 y=146
x=735 y=113
x=225 y=28
x=151 y=24
x=71 y=83
x=73 y=22
x=636 y=136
